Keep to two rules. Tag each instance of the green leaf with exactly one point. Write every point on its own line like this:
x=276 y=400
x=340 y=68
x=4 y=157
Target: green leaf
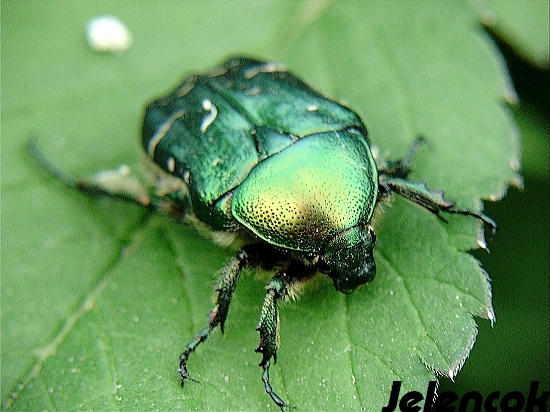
x=99 y=298
x=522 y=24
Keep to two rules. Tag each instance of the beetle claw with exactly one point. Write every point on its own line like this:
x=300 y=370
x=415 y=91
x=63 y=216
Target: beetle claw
x=278 y=401
x=185 y=376
x=183 y=369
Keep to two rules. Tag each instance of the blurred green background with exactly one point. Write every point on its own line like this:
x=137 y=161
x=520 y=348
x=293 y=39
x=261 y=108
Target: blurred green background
x=43 y=46
x=516 y=350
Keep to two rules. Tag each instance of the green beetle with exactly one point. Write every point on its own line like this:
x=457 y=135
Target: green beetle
x=249 y=148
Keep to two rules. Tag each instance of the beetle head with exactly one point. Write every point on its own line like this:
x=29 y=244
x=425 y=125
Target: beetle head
x=349 y=258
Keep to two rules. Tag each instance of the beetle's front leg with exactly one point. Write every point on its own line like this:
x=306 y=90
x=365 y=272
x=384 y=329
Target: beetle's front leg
x=278 y=288
x=224 y=288
x=253 y=255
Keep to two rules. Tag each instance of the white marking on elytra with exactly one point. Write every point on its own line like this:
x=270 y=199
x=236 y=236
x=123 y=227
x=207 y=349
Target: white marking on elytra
x=210 y=117
x=264 y=68
x=217 y=71
x=312 y=108
x=186 y=87
x=161 y=132
x=171 y=164
x=216 y=162
x=253 y=91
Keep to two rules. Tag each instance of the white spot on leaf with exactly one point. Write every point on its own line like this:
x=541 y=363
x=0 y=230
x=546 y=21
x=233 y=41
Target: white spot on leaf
x=108 y=34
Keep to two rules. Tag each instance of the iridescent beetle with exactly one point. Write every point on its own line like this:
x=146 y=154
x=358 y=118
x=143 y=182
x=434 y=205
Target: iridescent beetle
x=249 y=148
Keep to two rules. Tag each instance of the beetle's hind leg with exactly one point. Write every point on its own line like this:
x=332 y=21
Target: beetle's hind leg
x=119 y=184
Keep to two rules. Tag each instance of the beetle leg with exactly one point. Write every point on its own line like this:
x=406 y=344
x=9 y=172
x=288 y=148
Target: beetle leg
x=392 y=178
x=224 y=288
x=431 y=200
x=118 y=184
x=402 y=167
x=265 y=378
x=279 y=287
x=268 y=325
x=253 y=255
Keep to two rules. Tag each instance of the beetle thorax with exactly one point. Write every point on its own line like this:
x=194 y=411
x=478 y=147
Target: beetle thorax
x=303 y=196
